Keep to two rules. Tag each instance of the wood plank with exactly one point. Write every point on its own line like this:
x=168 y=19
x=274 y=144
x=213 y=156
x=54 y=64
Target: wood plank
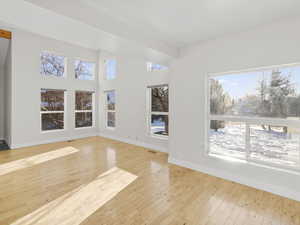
x=34 y=160
x=5 y=34
x=74 y=207
x=163 y=194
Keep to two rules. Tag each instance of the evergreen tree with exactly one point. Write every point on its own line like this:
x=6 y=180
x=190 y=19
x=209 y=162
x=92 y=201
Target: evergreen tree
x=220 y=102
x=280 y=89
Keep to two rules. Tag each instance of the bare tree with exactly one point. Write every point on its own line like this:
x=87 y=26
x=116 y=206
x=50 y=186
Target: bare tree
x=160 y=102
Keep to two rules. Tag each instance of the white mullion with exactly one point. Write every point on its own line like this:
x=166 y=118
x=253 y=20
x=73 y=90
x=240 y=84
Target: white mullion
x=160 y=113
x=51 y=112
x=83 y=111
x=257 y=120
x=247 y=139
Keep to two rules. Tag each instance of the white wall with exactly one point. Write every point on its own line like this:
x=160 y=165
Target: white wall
x=27 y=82
x=131 y=102
x=2 y=92
x=270 y=45
x=8 y=96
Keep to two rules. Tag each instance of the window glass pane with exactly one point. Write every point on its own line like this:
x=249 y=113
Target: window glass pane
x=155 y=67
x=84 y=70
x=160 y=99
x=52 y=121
x=110 y=69
x=111 y=100
x=160 y=124
x=52 y=100
x=52 y=64
x=84 y=100
x=227 y=138
x=271 y=93
x=275 y=144
x=84 y=119
x=111 y=119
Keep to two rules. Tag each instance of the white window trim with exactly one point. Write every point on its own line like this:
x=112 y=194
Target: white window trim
x=64 y=76
x=86 y=111
x=109 y=110
x=150 y=113
x=86 y=61
x=53 y=112
x=247 y=121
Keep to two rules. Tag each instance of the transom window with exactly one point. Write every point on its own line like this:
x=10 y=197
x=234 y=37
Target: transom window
x=52 y=64
x=110 y=109
x=255 y=115
x=110 y=69
x=151 y=67
x=52 y=109
x=159 y=110
x=84 y=70
x=83 y=109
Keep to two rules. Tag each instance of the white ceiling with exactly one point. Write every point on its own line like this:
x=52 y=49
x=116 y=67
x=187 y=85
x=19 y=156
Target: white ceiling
x=4 y=44
x=175 y=22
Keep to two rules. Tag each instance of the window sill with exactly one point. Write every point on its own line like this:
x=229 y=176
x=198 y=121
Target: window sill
x=161 y=137
x=83 y=128
x=52 y=131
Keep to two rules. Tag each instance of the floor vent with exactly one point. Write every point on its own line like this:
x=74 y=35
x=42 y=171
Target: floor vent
x=153 y=152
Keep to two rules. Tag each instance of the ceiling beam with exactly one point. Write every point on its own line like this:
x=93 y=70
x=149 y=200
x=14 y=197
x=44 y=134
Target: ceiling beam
x=5 y=34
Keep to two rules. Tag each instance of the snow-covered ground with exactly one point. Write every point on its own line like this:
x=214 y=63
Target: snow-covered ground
x=273 y=146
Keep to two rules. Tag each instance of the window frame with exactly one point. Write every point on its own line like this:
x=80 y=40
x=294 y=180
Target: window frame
x=85 y=61
x=64 y=76
x=248 y=121
x=150 y=112
x=53 y=112
x=109 y=110
x=85 y=111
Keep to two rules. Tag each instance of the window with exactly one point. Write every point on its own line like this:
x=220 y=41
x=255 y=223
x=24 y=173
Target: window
x=110 y=69
x=159 y=110
x=155 y=67
x=110 y=109
x=84 y=70
x=255 y=116
x=83 y=109
x=52 y=65
x=52 y=109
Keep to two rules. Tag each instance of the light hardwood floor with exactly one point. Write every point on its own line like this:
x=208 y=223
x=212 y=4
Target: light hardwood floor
x=162 y=194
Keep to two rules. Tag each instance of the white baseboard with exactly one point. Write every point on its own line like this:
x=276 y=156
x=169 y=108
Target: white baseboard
x=15 y=146
x=134 y=142
x=277 y=190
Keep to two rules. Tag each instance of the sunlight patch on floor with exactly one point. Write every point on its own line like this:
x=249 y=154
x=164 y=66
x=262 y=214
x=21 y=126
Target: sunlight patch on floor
x=74 y=207
x=34 y=160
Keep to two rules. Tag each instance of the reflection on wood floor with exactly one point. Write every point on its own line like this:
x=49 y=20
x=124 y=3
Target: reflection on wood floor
x=74 y=207
x=163 y=194
x=34 y=160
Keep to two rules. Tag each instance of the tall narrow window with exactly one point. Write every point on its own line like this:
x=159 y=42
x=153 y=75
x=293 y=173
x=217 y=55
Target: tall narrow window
x=52 y=65
x=159 y=110
x=110 y=69
x=84 y=70
x=83 y=109
x=255 y=116
x=52 y=109
x=110 y=109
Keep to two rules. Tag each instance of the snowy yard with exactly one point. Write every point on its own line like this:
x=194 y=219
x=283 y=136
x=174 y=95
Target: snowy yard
x=273 y=146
